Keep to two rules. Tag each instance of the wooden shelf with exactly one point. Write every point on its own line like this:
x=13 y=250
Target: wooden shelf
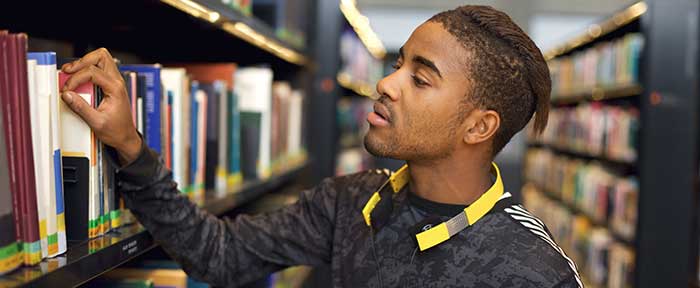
x=85 y=261
x=598 y=94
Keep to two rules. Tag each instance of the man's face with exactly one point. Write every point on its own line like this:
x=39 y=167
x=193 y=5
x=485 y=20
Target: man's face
x=417 y=115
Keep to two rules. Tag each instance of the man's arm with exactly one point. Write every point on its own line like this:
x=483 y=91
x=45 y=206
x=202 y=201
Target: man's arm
x=221 y=252
x=227 y=252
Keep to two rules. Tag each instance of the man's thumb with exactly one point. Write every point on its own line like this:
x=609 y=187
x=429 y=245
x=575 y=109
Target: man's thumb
x=81 y=107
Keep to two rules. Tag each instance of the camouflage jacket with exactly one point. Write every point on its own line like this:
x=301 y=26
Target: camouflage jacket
x=508 y=247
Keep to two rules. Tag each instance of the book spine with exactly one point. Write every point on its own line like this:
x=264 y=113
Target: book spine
x=36 y=130
x=223 y=140
x=32 y=243
x=10 y=253
x=201 y=147
x=235 y=176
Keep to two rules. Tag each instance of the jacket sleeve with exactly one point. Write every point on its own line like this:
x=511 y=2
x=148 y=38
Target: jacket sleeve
x=227 y=252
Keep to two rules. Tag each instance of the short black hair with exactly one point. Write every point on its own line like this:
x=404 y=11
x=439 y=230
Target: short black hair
x=507 y=70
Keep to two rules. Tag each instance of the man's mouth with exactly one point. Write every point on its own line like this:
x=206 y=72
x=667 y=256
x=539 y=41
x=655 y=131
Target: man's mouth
x=380 y=117
x=382 y=111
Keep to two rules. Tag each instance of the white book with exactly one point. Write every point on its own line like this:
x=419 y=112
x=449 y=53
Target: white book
x=174 y=80
x=296 y=105
x=253 y=86
x=57 y=161
x=41 y=165
x=77 y=140
x=47 y=91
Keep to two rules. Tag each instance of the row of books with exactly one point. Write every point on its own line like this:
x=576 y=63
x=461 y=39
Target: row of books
x=594 y=129
x=602 y=261
x=357 y=62
x=213 y=124
x=32 y=223
x=219 y=124
x=607 y=64
x=591 y=187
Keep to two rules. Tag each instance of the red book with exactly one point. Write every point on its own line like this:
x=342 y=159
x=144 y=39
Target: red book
x=210 y=72
x=168 y=123
x=15 y=105
x=31 y=243
x=9 y=129
x=132 y=93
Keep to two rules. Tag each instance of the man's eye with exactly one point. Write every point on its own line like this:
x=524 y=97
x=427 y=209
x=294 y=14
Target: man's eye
x=418 y=81
x=396 y=66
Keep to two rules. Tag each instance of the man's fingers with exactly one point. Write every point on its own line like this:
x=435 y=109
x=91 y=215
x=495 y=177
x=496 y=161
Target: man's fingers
x=83 y=109
x=100 y=58
x=109 y=85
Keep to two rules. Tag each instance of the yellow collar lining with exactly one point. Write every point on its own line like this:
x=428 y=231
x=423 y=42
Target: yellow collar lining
x=449 y=228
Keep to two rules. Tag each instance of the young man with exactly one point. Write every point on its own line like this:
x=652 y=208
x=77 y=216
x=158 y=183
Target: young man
x=466 y=81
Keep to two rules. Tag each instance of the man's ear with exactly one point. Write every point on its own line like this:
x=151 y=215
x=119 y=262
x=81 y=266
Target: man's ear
x=481 y=125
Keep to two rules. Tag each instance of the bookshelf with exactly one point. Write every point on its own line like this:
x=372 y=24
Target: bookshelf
x=161 y=31
x=578 y=211
x=158 y=31
x=662 y=102
x=247 y=28
x=85 y=261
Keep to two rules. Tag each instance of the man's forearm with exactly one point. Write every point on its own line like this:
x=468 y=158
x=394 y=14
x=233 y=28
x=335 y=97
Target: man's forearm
x=190 y=235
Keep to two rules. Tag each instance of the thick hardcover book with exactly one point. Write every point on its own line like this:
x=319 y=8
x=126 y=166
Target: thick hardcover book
x=10 y=254
x=31 y=241
x=9 y=129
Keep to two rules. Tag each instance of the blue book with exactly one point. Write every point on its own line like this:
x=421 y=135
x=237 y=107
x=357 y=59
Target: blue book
x=151 y=102
x=235 y=140
x=193 y=136
x=171 y=131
